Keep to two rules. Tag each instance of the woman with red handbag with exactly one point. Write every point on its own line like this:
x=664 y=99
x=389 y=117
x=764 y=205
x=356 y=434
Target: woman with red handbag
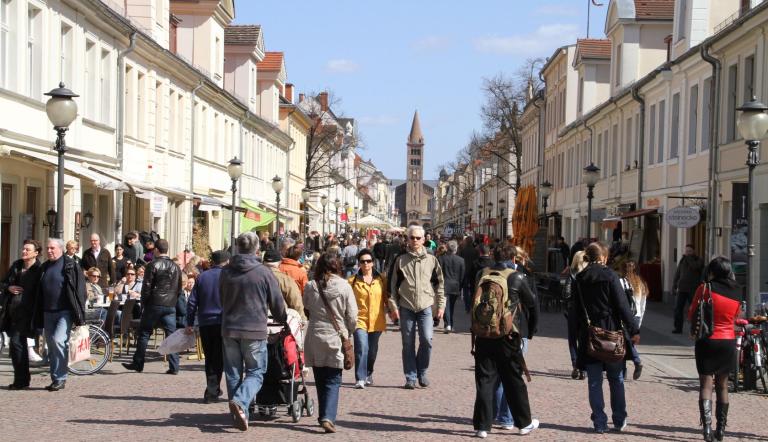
x=716 y=353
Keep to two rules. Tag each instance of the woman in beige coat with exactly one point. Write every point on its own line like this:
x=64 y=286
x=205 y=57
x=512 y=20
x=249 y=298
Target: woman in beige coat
x=322 y=345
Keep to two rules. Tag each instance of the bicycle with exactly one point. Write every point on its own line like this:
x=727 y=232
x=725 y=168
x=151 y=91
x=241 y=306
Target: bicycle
x=752 y=361
x=101 y=352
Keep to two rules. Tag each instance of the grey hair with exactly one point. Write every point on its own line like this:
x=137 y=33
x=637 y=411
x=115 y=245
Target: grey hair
x=248 y=243
x=413 y=228
x=286 y=243
x=453 y=246
x=59 y=242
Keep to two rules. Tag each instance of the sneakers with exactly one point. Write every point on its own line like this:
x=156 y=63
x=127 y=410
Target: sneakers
x=481 y=434
x=620 y=428
x=410 y=385
x=638 y=371
x=447 y=329
x=575 y=373
x=507 y=426
x=33 y=356
x=369 y=380
x=424 y=382
x=238 y=416
x=360 y=385
x=533 y=425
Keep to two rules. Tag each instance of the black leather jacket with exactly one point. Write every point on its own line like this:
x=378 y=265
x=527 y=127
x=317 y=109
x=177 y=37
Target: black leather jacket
x=162 y=283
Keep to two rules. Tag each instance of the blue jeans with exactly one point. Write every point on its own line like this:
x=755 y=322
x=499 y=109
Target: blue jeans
x=327 y=382
x=503 y=414
x=416 y=364
x=615 y=375
x=151 y=317
x=366 y=348
x=242 y=386
x=450 y=308
x=57 y=327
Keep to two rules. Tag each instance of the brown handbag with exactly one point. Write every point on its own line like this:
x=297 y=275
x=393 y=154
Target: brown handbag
x=604 y=345
x=346 y=344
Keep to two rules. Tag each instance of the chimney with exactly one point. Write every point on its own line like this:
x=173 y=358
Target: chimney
x=289 y=92
x=301 y=98
x=322 y=97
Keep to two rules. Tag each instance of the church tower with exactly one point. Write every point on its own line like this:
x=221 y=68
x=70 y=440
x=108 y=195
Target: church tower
x=415 y=203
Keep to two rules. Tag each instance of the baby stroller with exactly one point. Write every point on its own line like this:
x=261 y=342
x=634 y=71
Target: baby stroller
x=284 y=383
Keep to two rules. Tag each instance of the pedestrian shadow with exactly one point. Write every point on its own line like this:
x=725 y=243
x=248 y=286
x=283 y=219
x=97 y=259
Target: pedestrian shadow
x=420 y=419
x=590 y=430
x=206 y=423
x=696 y=431
x=679 y=383
x=143 y=398
x=392 y=427
x=554 y=373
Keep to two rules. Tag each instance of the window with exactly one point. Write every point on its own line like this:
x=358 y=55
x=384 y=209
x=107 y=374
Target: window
x=681 y=18
x=159 y=114
x=706 y=107
x=693 y=118
x=730 y=112
x=662 y=127
x=141 y=107
x=104 y=91
x=415 y=151
x=617 y=66
x=628 y=144
x=6 y=40
x=635 y=141
x=749 y=77
x=581 y=94
x=675 y=128
x=91 y=80
x=130 y=107
x=615 y=150
x=65 y=51
x=652 y=135
x=415 y=162
x=217 y=62
x=34 y=52
x=605 y=164
x=599 y=150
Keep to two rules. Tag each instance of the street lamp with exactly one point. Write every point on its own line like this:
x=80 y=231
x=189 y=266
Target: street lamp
x=546 y=191
x=305 y=194
x=490 y=217
x=337 y=216
x=346 y=213
x=323 y=202
x=62 y=111
x=235 y=171
x=356 y=209
x=87 y=219
x=502 y=207
x=753 y=125
x=589 y=177
x=277 y=186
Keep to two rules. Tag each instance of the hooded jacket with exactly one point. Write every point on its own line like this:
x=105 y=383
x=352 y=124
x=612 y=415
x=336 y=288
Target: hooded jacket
x=248 y=289
x=417 y=281
x=322 y=344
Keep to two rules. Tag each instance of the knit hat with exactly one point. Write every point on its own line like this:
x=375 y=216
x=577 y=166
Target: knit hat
x=272 y=255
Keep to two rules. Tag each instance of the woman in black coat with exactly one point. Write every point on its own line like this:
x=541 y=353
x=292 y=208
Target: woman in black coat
x=599 y=297
x=18 y=289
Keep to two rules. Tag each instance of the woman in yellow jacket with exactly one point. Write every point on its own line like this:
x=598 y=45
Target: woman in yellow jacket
x=373 y=301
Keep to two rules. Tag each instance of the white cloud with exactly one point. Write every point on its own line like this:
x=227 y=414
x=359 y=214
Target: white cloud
x=559 y=10
x=378 y=120
x=341 y=66
x=431 y=43
x=543 y=39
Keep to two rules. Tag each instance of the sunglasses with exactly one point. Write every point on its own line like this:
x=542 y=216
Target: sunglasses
x=414 y=238
x=366 y=261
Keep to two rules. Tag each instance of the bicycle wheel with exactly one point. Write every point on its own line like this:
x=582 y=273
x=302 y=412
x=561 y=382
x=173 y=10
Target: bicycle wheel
x=101 y=351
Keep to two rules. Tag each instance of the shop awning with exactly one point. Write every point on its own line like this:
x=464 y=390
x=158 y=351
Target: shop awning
x=636 y=213
x=254 y=217
x=175 y=192
x=73 y=168
x=138 y=188
x=210 y=204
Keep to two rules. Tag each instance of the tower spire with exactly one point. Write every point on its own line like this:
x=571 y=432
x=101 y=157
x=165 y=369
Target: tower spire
x=416 y=136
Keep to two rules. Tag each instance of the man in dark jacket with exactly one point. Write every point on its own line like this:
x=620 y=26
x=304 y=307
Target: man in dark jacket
x=380 y=253
x=688 y=276
x=453 y=277
x=159 y=294
x=60 y=302
x=469 y=254
x=129 y=248
x=99 y=257
x=248 y=289
x=205 y=303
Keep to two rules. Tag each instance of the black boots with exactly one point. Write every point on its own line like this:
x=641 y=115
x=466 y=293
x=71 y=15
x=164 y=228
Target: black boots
x=722 y=418
x=705 y=411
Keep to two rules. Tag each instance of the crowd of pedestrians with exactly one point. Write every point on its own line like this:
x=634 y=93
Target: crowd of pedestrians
x=344 y=288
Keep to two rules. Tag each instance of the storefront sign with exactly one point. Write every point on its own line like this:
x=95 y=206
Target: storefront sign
x=739 y=225
x=157 y=204
x=683 y=217
x=652 y=202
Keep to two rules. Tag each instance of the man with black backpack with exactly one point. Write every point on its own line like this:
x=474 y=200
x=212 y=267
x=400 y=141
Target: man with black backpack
x=497 y=309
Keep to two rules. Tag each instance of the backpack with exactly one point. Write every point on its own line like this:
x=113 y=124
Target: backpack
x=351 y=261
x=493 y=312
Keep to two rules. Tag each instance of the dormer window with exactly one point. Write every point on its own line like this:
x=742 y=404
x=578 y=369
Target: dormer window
x=681 y=19
x=617 y=66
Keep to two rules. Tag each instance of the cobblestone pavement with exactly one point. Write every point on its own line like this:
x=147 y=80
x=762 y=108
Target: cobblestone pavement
x=116 y=404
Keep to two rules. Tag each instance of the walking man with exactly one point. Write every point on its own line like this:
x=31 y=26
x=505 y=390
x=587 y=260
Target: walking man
x=417 y=284
x=99 y=257
x=159 y=294
x=205 y=302
x=687 y=279
x=248 y=289
x=59 y=304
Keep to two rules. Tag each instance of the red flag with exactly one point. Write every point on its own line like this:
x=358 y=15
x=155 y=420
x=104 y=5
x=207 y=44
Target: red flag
x=344 y=217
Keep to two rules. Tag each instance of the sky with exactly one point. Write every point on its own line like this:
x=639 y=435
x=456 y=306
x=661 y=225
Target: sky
x=384 y=59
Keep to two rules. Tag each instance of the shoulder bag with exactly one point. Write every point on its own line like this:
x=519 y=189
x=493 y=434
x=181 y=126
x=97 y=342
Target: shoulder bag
x=346 y=344
x=604 y=345
x=703 y=325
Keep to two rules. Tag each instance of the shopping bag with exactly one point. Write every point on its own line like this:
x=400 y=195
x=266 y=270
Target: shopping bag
x=79 y=344
x=177 y=342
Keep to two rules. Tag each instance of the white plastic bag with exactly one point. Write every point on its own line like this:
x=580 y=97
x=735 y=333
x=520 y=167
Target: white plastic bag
x=176 y=343
x=79 y=344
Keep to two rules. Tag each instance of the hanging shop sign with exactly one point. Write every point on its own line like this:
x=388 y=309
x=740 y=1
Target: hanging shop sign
x=683 y=217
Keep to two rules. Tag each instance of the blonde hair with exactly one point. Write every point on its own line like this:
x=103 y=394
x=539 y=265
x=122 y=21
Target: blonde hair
x=578 y=263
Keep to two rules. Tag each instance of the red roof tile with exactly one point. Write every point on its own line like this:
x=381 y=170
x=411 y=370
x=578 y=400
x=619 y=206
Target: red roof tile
x=654 y=9
x=273 y=61
x=593 y=48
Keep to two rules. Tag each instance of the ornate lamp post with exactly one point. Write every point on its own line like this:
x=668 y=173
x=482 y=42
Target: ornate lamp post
x=62 y=111
x=337 y=216
x=277 y=186
x=356 y=211
x=590 y=177
x=753 y=125
x=491 y=229
x=503 y=229
x=235 y=171
x=305 y=194
x=323 y=202
x=546 y=190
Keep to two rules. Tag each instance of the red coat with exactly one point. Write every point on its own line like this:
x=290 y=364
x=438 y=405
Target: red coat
x=726 y=304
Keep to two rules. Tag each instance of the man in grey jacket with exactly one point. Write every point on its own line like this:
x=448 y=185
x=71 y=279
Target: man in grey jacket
x=417 y=285
x=248 y=290
x=688 y=276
